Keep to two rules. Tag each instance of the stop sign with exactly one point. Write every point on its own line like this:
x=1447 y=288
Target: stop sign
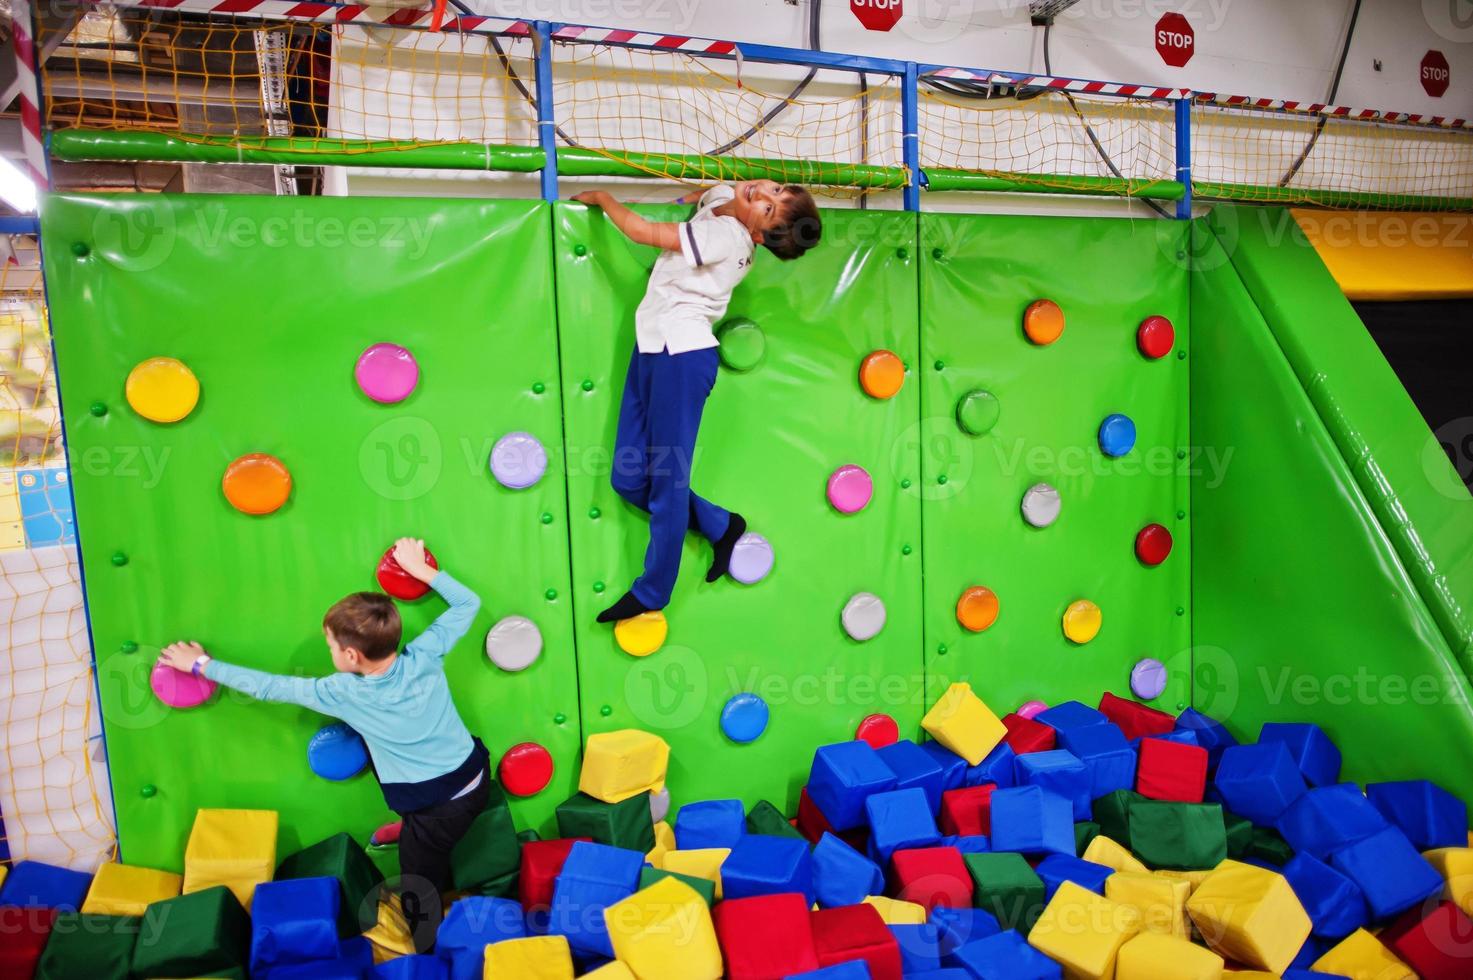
x=1435 y=73
x=878 y=15
x=1176 y=42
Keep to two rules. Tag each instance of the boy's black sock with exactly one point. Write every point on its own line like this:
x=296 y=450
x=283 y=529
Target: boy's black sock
x=721 y=560
x=626 y=608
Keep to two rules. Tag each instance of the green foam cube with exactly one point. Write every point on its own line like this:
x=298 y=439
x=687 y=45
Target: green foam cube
x=1269 y=846
x=502 y=886
x=489 y=851
x=205 y=933
x=1112 y=813
x=1084 y=832
x=341 y=857
x=1239 y=834
x=90 y=947
x=627 y=824
x=385 y=857
x=1178 y=836
x=1007 y=887
x=703 y=886
x=766 y=819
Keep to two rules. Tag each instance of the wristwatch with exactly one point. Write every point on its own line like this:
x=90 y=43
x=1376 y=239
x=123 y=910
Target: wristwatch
x=199 y=665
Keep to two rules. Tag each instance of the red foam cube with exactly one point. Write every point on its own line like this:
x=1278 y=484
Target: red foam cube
x=932 y=876
x=1171 y=771
x=765 y=938
x=856 y=932
x=1026 y=735
x=1136 y=720
x=1438 y=945
x=812 y=824
x=967 y=812
x=542 y=862
x=26 y=931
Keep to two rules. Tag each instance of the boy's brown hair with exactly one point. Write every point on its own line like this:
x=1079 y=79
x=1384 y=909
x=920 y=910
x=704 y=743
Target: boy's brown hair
x=799 y=227
x=366 y=621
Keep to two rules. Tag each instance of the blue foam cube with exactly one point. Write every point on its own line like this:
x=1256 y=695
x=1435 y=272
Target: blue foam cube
x=472 y=924
x=1058 y=772
x=594 y=876
x=417 y=967
x=900 y=819
x=763 y=865
x=32 y=884
x=996 y=767
x=945 y=973
x=960 y=926
x=843 y=876
x=1390 y=872
x=1335 y=904
x=1310 y=953
x=843 y=775
x=1181 y=736
x=294 y=921
x=1328 y=818
x=1211 y=734
x=710 y=823
x=920 y=947
x=1071 y=714
x=1107 y=755
x=969 y=844
x=953 y=767
x=1429 y=815
x=1059 y=868
x=354 y=959
x=1259 y=781
x=1031 y=820
x=848 y=970
x=1296 y=974
x=1317 y=757
x=913 y=766
x=1005 y=956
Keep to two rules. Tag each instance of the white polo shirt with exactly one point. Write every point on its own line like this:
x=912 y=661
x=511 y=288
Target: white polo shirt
x=690 y=289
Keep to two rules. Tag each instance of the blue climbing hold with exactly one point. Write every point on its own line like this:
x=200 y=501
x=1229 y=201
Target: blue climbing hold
x=337 y=752
x=744 y=717
x=1117 y=435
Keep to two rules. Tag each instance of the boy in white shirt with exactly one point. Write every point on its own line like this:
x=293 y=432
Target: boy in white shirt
x=675 y=360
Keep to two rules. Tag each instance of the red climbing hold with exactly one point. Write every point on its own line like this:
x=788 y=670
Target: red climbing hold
x=397 y=582
x=1153 y=544
x=1156 y=337
x=525 y=769
x=878 y=730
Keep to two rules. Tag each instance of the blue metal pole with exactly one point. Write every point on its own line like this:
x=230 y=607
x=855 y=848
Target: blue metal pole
x=546 y=123
x=910 y=113
x=1184 y=157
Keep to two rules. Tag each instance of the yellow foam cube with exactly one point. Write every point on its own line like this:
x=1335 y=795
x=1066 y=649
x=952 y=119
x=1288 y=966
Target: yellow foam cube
x=1102 y=850
x=1251 y=915
x=1192 y=878
x=664 y=843
x=1152 y=956
x=534 y=958
x=898 y=913
x=700 y=862
x=618 y=765
x=1083 y=932
x=664 y=932
x=1455 y=864
x=3 y=872
x=1161 y=903
x=610 y=971
x=120 y=889
x=390 y=936
x=1361 y=956
x=234 y=848
x=961 y=722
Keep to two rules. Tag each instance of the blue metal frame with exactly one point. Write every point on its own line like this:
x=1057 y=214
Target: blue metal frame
x=910 y=123
x=546 y=123
x=1184 y=157
x=19 y=224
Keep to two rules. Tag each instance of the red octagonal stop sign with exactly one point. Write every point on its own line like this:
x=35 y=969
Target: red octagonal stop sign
x=1435 y=73
x=1176 y=42
x=878 y=15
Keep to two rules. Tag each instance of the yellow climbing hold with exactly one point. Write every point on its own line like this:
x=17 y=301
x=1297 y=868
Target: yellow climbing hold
x=162 y=389
x=1082 y=621
x=643 y=634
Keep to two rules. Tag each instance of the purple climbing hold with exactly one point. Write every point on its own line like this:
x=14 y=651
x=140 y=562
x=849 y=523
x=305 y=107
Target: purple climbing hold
x=1148 y=679
x=751 y=559
x=850 y=489
x=518 y=460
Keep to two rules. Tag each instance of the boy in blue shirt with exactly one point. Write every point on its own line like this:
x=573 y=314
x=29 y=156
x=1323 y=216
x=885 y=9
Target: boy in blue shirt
x=674 y=364
x=433 y=772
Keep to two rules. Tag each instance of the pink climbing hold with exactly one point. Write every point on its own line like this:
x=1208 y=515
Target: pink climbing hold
x=179 y=689
x=1031 y=709
x=878 y=730
x=387 y=373
x=850 y=489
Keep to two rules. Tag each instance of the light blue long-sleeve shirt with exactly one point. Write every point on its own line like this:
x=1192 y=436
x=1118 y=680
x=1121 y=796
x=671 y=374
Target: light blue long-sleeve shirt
x=405 y=714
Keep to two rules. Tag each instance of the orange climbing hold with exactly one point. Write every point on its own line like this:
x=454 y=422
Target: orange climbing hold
x=977 y=608
x=882 y=374
x=1043 y=322
x=257 y=484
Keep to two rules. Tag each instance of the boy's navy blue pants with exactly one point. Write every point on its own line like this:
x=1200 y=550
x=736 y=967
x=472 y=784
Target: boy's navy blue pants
x=664 y=395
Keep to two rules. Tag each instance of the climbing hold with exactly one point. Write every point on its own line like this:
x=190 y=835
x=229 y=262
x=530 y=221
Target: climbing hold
x=1155 y=337
x=1041 y=505
x=1043 y=322
x=559 y=719
x=977 y=608
x=180 y=688
x=850 y=489
x=744 y=717
x=98 y=409
x=128 y=646
x=863 y=616
x=1031 y=709
x=518 y=460
x=119 y=559
x=397 y=582
x=81 y=249
x=256 y=484
x=550 y=595
x=881 y=374
x=878 y=730
x=389 y=833
x=1117 y=435
x=742 y=343
x=547 y=518
x=606 y=710
x=162 y=389
x=525 y=769
x=1082 y=621
x=148 y=791
x=514 y=643
x=587 y=385
x=387 y=373
x=337 y=752
x=751 y=559
x=1153 y=544
x=580 y=250
x=1148 y=679
x=977 y=412
x=660 y=804
x=643 y=634
x=594 y=513
x=538 y=388
x=598 y=588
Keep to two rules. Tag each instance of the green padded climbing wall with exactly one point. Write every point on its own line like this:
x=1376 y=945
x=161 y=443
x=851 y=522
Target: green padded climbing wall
x=270 y=301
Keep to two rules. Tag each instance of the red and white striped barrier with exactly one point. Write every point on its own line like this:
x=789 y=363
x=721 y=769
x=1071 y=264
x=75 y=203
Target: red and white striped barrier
x=1334 y=111
x=323 y=13
x=666 y=42
x=30 y=98
x=1064 y=84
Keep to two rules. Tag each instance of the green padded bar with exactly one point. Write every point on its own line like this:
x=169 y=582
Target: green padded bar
x=1007 y=887
x=341 y=857
x=764 y=818
x=1180 y=836
x=90 y=947
x=627 y=824
x=705 y=887
x=208 y=934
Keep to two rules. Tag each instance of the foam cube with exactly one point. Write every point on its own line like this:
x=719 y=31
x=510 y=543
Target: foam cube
x=1429 y=815
x=967 y=811
x=343 y=858
x=83 y=946
x=1007 y=887
x=998 y=768
x=1084 y=832
x=1061 y=773
x=541 y=863
x=1105 y=753
x=620 y=765
x=766 y=936
x=26 y=931
x=843 y=776
x=959 y=926
x=1251 y=915
x=1059 y=868
x=1258 y=781
x=1153 y=956
x=1171 y=771
x=664 y=844
x=1004 y=956
x=1455 y=865
x=1329 y=818
x=1316 y=756
x=1103 y=850
x=1031 y=820
x=412 y=967
x=665 y=933
x=897 y=912
x=594 y=877
x=1177 y=835
x=1083 y=932
x=847 y=970
x=124 y=890
x=490 y=851
x=32 y=884
x=704 y=863
x=841 y=875
x=1267 y=846
x=764 y=818
x=856 y=932
x=627 y=824
x=920 y=948
x=761 y=865
x=208 y=933
x=234 y=848
x=390 y=936
x=1112 y=813
x=612 y=970
x=1437 y=944
x=1239 y=835
x=1210 y=734
x=532 y=958
x=961 y=722
x=811 y=822
x=932 y=877
x=1335 y=904
x=703 y=886
x=1389 y=871
x=1070 y=714
x=899 y=819
x=914 y=767
x=1136 y=720
x=1026 y=735
x=1361 y=954
x=968 y=843
x=710 y=823
x=470 y=925
x=294 y=921
x=953 y=767
x=1160 y=903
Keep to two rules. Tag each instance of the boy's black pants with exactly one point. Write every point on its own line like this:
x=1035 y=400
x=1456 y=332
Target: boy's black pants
x=425 y=843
